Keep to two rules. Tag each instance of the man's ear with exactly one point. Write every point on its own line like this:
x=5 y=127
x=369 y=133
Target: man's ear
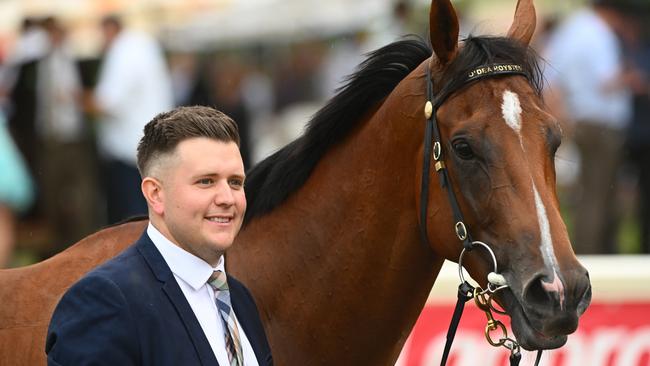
x=153 y=192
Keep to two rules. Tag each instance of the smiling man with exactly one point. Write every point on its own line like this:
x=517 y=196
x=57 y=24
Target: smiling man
x=167 y=300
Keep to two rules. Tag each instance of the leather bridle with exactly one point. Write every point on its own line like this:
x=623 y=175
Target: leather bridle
x=433 y=148
x=433 y=141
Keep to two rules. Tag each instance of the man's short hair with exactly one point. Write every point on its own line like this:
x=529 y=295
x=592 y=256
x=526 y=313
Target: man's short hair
x=163 y=133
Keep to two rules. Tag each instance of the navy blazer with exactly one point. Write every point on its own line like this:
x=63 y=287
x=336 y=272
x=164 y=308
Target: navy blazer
x=131 y=311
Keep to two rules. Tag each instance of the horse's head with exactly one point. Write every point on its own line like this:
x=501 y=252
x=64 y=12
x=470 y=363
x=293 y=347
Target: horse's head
x=498 y=144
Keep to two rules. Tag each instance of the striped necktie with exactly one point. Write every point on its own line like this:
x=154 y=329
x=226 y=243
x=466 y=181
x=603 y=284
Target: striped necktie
x=231 y=333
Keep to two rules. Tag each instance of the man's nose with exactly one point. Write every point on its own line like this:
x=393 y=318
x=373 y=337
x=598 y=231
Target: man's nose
x=224 y=195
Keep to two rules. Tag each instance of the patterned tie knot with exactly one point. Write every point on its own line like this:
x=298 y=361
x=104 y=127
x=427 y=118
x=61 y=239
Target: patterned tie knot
x=218 y=281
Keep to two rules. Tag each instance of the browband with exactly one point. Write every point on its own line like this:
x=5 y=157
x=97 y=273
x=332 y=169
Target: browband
x=494 y=70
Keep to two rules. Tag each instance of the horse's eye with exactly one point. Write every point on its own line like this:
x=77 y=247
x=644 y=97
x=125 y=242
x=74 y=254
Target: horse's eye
x=463 y=150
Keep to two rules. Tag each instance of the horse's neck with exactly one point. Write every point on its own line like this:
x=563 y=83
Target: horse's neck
x=29 y=294
x=341 y=258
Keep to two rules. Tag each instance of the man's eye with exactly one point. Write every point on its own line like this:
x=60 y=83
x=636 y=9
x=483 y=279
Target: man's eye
x=205 y=181
x=237 y=183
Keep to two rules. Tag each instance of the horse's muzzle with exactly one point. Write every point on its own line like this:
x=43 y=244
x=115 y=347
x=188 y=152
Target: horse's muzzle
x=542 y=314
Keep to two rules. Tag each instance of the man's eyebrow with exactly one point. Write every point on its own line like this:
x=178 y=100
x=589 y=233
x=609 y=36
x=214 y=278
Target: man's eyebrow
x=201 y=175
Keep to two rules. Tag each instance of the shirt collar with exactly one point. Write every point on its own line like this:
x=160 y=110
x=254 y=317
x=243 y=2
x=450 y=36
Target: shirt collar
x=188 y=267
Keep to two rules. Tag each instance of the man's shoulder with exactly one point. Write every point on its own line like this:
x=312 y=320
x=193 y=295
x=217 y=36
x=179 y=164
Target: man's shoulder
x=130 y=258
x=122 y=270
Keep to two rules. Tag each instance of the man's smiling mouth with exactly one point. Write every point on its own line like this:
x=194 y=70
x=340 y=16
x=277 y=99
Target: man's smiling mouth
x=220 y=219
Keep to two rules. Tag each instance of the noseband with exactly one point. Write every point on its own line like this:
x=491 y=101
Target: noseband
x=433 y=149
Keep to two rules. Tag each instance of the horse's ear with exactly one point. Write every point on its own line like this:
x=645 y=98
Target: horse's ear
x=443 y=30
x=523 y=26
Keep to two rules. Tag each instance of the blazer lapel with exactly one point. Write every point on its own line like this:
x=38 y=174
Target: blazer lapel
x=175 y=295
x=192 y=325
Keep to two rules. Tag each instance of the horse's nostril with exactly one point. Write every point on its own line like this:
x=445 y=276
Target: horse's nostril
x=544 y=295
x=535 y=294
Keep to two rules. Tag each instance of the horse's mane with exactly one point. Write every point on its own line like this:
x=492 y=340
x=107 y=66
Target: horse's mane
x=275 y=178
x=271 y=181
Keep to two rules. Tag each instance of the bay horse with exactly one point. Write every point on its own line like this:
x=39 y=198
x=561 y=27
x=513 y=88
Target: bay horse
x=331 y=247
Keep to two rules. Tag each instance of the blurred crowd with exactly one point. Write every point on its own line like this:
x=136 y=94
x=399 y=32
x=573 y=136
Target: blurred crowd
x=598 y=69
x=69 y=127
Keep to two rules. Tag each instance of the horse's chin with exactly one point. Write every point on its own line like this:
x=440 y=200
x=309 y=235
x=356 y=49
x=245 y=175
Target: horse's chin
x=528 y=337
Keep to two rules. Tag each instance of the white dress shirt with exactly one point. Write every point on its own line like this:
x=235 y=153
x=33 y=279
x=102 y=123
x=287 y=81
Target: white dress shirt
x=192 y=274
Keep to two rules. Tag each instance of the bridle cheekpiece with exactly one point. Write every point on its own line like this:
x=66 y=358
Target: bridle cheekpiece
x=433 y=148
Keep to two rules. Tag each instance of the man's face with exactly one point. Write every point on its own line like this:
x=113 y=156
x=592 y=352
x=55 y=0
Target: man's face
x=203 y=200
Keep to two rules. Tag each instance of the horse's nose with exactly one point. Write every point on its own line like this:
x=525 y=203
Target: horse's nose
x=559 y=301
x=545 y=294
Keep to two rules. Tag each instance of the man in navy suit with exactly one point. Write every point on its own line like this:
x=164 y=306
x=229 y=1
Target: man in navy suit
x=166 y=299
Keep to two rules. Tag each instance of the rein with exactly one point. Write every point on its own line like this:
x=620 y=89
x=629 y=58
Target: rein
x=433 y=149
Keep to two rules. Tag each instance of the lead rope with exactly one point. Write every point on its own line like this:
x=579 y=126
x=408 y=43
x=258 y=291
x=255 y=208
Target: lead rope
x=465 y=293
x=515 y=362
x=463 y=290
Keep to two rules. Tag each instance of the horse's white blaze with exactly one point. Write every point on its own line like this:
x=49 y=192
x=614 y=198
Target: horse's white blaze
x=546 y=246
x=511 y=110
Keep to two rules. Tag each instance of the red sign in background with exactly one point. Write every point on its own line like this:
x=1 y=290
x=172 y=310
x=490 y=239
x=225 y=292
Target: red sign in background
x=609 y=334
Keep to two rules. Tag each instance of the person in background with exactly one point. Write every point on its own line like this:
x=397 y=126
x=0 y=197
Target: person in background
x=220 y=85
x=31 y=45
x=638 y=133
x=134 y=85
x=167 y=300
x=18 y=95
x=66 y=162
x=587 y=90
x=340 y=62
x=388 y=29
x=16 y=191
